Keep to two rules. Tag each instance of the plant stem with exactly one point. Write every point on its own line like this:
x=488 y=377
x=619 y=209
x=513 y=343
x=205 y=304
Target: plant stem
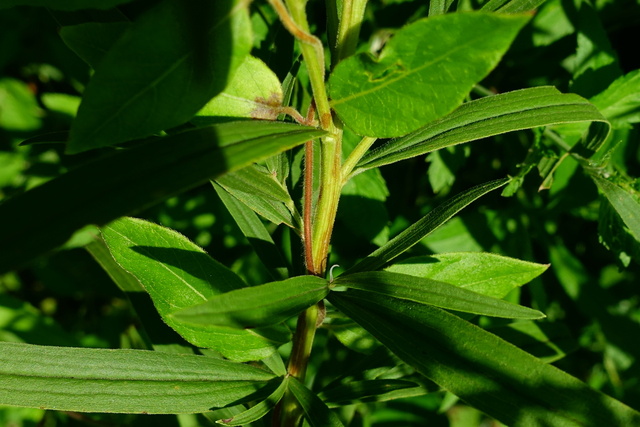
x=302 y=343
x=330 y=186
x=355 y=156
x=295 y=20
x=307 y=208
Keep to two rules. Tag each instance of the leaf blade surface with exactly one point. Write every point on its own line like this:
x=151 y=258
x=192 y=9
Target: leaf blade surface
x=122 y=381
x=412 y=82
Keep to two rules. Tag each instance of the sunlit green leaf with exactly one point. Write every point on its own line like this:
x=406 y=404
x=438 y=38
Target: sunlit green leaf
x=94 y=194
x=620 y=102
x=19 y=109
x=497 y=378
x=152 y=80
x=432 y=292
x=126 y=381
x=178 y=274
x=260 y=305
x=423 y=227
x=423 y=72
x=489 y=116
x=254 y=91
x=488 y=274
x=511 y=6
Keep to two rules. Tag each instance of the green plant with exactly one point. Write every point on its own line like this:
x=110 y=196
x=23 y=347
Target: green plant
x=177 y=100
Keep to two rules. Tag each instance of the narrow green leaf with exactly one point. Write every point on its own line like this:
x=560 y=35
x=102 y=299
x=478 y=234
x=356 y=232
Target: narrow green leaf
x=315 y=410
x=489 y=116
x=423 y=227
x=178 y=274
x=546 y=340
x=257 y=234
x=439 y=7
x=379 y=390
x=484 y=273
x=259 y=410
x=95 y=194
x=125 y=381
x=412 y=82
x=261 y=305
x=626 y=203
x=488 y=373
x=257 y=188
x=620 y=102
x=511 y=6
x=152 y=80
x=64 y=5
x=433 y=292
x=254 y=92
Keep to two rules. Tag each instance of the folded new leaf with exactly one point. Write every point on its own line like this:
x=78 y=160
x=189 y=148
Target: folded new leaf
x=256 y=306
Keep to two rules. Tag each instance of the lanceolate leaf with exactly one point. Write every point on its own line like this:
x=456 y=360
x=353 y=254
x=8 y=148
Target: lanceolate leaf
x=432 y=292
x=620 y=102
x=487 y=274
x=152 y=80
x=178 y=274
x=489 y=116
x=624 y=201
x=257 y=188
x=485 y=371
x=260 y=410
x=129 y=180
x=125 y=381
x=261 y=305
x=511 y=6
x=64 y=5
x=257 y=234
x=423 y=227
x=315 y=410
x=379 y=390
x=423 y=73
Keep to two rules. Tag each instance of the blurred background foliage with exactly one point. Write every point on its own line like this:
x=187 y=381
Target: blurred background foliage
x=590 y=294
